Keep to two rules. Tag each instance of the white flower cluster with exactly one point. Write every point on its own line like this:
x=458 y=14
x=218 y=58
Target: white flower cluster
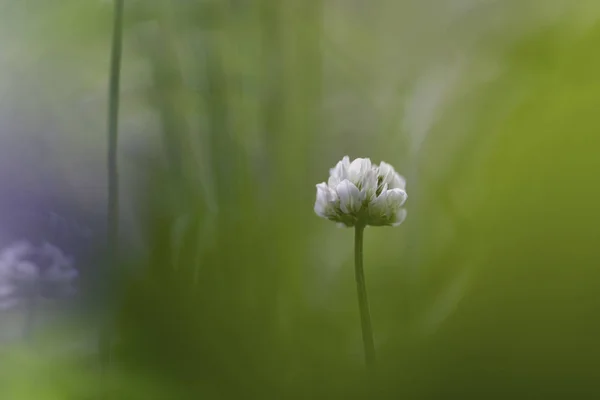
x=26 y=271
x=362 y=193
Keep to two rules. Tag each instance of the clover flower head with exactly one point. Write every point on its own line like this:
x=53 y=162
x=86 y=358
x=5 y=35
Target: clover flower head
x=362 y=193
x=27 y=270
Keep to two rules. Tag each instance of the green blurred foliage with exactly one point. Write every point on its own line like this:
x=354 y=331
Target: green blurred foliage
x=487 y=290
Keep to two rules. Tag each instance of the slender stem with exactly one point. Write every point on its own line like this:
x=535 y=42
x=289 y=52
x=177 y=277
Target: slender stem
x=113 y=134
x=363 y=303
x=113 y=176
x=30 y=314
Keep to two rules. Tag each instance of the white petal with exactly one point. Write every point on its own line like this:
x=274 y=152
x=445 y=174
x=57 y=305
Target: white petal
x=26 y=270
x=16 y=251
x=60 y=275
x=340 y=171
x=333 y=181
x=358 y=168
x=386 y=209
x=349 y=197
x=390 y=176
x=385 y=169
x=378 y=205
x=399 y=217
x=396 y=198
x=386 y=172
x=320 y=209
x=398 y=181
x=324 y=197
x=368 y=185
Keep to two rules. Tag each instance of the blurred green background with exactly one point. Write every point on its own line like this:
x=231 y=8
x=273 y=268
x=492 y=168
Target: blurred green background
x=229 y=286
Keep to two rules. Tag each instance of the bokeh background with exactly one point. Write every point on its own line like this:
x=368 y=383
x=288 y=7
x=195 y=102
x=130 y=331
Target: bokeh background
x=228 y=286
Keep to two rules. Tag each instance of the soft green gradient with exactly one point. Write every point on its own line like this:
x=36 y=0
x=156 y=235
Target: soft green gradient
x=488 y=290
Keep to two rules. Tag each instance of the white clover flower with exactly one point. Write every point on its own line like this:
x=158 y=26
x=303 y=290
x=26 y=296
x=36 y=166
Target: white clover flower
x=26 y=270
x=362 y=193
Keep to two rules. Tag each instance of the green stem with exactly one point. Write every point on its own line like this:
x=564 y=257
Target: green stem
x=363 y=303
x=113 y=133
x=30 y=314
x=113 y=176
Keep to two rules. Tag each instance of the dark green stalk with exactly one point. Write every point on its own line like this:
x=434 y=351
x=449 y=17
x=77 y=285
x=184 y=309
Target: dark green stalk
x=113 y=175
x=363 y=303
